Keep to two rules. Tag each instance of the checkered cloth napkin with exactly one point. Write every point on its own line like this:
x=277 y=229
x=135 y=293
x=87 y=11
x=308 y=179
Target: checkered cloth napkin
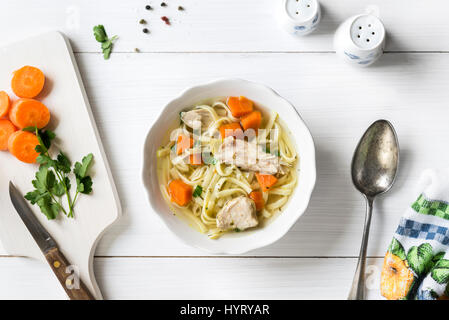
x=416 y=265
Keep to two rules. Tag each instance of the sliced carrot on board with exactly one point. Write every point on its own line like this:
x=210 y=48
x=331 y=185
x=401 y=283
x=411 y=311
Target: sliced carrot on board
x=180 y=192
x=184 y=142
x=27 y=82
x=22 y=145
x=252 y=120
x=4 y=104
x=258 y=199
x=266 y=181
x=231 y=129
x=6 y=130
x=239 y=106
x=29 y=113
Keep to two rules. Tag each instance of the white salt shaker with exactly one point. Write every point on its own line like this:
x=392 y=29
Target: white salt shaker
x=360 y=40
x=299 y=17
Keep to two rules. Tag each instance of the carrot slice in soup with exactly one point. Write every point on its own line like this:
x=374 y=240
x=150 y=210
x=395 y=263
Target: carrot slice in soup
x=258 y=199
x=195 y=159
x=21 y=144
x=29 y=113
x=251 y=121
x=6 y=130
x=27 y=82
x=266 y=181
x=4 y=104
x=180 y=192
x=184 y=142
x=231 y=129
x=239 y=106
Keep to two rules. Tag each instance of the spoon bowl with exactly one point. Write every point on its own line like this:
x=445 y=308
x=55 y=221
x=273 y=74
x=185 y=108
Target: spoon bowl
x=373 y=170
x=376 y=159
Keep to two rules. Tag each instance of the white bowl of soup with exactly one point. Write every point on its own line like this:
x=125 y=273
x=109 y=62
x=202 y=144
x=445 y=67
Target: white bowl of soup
x=229 y=166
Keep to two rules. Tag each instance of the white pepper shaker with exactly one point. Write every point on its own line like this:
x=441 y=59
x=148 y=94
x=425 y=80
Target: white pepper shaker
x=299 y=17
x=360 y=40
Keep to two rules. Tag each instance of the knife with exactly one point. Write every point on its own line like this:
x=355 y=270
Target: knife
x=73 y=286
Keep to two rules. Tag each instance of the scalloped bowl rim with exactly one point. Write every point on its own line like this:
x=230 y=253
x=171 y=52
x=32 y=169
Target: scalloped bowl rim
x=236 y=243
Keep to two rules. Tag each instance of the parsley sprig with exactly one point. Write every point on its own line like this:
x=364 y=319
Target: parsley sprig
x=52 y=181
x=106 y=43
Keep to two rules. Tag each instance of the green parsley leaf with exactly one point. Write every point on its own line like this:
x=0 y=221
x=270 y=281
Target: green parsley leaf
x=82 y=168
x=198 y=190
x=106 y=43
x=48 y=207
x=100 y=33
x=58 y=189
x=45 y=179
x=107 y=53
x=63 y=163
x=84 y=185
x=47 y=136
x=34 y=196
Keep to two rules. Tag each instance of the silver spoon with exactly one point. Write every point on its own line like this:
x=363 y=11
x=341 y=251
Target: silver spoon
x=373 y=169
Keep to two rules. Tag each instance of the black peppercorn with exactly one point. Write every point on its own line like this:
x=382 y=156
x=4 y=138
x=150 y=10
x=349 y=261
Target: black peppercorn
x=163 y=4
x=180 y=8
x=148 y=7
x=145 y=30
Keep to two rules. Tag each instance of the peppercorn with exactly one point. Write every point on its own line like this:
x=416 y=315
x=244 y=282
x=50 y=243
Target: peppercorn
x=166 y=20
x=148 y=7
x=163 y=4
x=143 y=21
x=145 y=30
x=181 y=8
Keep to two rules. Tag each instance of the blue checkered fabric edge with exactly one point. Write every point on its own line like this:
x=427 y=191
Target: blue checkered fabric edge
x=418 y=230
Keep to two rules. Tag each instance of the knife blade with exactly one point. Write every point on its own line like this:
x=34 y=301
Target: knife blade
x=37 y=231
x=72 y=284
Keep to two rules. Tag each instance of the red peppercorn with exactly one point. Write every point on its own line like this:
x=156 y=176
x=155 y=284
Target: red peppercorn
x=166 y=20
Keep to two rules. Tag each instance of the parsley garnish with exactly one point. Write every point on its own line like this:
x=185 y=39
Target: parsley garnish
x=52 y=180
x=198 y=190
x=106 y=43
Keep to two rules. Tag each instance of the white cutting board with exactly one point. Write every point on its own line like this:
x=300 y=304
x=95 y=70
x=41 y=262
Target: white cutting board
x=77 y=135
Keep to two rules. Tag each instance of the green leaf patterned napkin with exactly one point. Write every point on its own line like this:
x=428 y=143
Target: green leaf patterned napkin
x=416 y=265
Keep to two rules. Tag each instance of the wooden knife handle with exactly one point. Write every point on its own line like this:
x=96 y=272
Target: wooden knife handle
x=67 y=276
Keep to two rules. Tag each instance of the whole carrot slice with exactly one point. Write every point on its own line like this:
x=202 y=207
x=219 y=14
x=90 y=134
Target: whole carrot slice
x=239 y=106
x=4 y=104
x=180 y=192
x=6 y=130
x=21 y=144
x=29 y=113
x=266 y=181
x=27 y=82
x=251 y=121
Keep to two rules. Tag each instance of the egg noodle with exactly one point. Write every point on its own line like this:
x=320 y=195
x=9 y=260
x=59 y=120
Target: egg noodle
x=220 y=182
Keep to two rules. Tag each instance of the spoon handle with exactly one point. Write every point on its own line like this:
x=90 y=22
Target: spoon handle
x=358 y=284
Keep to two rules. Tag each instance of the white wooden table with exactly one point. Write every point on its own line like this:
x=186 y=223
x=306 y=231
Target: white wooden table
x=139 y=257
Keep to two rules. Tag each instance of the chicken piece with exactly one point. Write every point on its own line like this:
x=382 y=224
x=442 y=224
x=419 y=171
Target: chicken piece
x=247 y=156
x=195 y=117
x=238 y=213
